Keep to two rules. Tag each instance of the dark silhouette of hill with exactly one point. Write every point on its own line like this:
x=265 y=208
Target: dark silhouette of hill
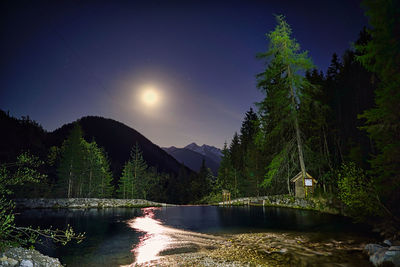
x=117 y=139
x=192 y=159
x=18 y=135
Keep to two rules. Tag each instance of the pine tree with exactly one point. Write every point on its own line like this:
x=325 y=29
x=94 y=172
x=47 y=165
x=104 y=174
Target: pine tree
x=252 y=168
x=133 y=183
x=282 y=84
x=126 y=181
x=224 y=179
x=93 y=169
x=105 y=188
x=70 y=170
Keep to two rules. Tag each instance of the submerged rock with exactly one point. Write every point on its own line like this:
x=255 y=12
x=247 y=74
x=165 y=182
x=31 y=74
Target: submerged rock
x=20 y=257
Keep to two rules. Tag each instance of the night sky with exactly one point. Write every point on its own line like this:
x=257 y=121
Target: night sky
x=61 y=60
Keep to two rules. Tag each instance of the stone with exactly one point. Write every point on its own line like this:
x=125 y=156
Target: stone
x=397 y=248
x=26 y=263
x=12 y=262
x=387 y=243
x=383 y=256
x=371 y=249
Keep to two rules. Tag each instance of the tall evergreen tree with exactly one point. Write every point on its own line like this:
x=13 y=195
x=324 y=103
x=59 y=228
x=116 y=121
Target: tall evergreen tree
x=282 y=81
x=134 y=177
x=93 y=169
x=70 y=170
x=224 y=179
x=126 y=181
x=105 y=188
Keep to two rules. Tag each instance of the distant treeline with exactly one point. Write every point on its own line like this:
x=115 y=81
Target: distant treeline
x=81 y=168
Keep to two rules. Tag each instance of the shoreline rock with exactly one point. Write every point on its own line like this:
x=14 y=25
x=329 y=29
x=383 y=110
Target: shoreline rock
x=21 y=257
x=386 y=254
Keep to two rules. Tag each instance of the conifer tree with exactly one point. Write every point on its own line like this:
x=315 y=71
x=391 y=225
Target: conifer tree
x=105 y=188
x=224 y=179
x=283 y=82
x=134 y=176
x=126 y=181
x=93 y=169
x=71 y=165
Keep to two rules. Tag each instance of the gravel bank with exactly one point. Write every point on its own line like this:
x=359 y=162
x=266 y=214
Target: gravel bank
x=272 y=249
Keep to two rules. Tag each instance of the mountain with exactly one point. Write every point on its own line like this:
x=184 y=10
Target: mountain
x=192 y=156
x=117 y=139
x=209 y=151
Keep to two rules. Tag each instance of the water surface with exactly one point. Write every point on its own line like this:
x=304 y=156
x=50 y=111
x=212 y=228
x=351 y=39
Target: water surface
x=122 y=236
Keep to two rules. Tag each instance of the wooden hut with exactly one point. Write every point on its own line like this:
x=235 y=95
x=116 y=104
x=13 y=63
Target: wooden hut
x=300 y=189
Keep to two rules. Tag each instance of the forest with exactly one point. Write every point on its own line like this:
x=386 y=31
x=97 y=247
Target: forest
x=342 y=126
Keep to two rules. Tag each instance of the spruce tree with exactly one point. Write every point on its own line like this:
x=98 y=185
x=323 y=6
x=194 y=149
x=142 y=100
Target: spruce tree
x=105 y=188
x=93 y=169
x=126 y=181
x=71 y=168
x=133 y=183
x=224 y=179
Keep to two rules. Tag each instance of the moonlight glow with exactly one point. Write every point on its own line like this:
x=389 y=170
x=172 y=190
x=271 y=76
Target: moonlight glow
x=150 y=97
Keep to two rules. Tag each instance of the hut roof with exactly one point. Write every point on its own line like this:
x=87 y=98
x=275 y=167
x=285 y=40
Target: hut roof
x=298 y=176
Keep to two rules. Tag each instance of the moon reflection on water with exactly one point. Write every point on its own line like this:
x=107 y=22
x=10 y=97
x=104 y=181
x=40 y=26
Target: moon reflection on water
x=156 y=237
x=160 y=239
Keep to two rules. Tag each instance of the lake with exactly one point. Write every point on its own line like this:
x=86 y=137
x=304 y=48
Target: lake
x=122 y=236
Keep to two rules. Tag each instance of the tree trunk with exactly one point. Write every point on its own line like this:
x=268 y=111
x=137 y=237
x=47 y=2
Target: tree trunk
x=90 y=183
x=298 y=137
x=288 y=178
x=70 y=181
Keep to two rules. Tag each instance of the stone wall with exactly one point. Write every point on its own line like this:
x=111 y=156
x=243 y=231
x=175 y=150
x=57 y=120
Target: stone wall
x=288 y=201
x=79 y=203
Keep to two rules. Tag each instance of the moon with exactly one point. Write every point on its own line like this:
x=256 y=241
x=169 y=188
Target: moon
x=150 y=97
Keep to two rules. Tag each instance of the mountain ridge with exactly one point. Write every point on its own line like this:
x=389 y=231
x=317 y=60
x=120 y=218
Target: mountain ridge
x=118 y=139
x=192 y=156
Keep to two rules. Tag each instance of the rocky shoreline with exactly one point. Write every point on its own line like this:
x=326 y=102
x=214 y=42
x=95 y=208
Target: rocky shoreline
x=21 y=257
x=84 y=203
x=287 y=201
x=271 y=249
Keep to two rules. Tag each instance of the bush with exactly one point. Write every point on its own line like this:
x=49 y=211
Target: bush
x=357 y=192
